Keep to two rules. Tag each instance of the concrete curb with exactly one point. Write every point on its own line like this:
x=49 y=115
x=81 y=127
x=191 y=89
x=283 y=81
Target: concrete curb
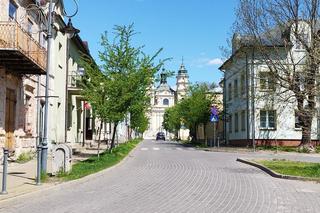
x=48 y=186
x=275 y=174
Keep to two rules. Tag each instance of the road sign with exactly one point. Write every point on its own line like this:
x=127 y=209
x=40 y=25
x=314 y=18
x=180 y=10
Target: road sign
x=214 y=110
x=214 y=118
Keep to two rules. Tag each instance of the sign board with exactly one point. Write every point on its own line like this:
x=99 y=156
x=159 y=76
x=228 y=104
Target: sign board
x=214 y=117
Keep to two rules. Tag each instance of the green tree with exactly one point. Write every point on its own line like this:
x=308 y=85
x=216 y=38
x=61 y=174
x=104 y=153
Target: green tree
x=195 y=109
x=119 y=87
x=172 y=120
x=192 y=111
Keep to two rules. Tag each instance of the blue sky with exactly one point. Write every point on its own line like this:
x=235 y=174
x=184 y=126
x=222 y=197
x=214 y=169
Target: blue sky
x=193 y=29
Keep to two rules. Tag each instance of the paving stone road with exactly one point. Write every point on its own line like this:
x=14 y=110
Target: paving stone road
x=167 y=177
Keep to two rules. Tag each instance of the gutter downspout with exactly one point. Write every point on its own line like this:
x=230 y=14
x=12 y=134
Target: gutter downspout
x=225 y=112
x=66 y=119
x=38 y=140
x=253 y=125
x=247 y=94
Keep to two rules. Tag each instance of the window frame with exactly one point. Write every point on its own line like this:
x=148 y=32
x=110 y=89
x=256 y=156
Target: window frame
x=242 y=84
x=268 y=114
x=12 y=5
x=236 y=122
x=243 y=120
x=268 y=84
x=230 y=124
x=235 y=88
x=165 y=102
x=230 y=91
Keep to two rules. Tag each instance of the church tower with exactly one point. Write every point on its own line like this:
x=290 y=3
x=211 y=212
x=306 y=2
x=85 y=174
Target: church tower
x=182 y=82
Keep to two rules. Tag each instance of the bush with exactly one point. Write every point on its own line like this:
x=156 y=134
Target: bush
x=25 y=157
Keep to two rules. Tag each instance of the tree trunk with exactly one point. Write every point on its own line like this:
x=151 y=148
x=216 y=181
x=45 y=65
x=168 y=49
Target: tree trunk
x=306 y=133
x=205 y=134
x=193 y=133
x=99 y=139
x=113 y=136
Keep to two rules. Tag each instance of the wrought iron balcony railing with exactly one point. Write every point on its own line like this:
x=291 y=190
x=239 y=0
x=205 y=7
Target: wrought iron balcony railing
x=19 y=52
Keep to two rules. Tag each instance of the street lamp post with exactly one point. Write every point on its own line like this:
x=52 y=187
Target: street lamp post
x=70 y=31
x=44 y=152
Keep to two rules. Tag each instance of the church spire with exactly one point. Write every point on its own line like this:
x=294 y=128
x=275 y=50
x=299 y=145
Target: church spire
x=163 y=76
x=182 y=68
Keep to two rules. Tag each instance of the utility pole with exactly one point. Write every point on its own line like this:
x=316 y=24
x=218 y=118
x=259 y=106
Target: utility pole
x=44 y=152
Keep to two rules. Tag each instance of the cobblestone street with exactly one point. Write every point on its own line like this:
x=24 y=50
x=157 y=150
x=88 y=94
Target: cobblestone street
x=167 y=177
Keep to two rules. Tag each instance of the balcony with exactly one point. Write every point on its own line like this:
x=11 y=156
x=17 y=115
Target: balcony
x=74 y=79
x=19 y=52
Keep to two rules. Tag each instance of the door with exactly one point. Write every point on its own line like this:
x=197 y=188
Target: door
x=10 y=117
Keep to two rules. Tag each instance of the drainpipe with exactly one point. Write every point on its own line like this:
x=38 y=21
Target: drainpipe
x=253 y=125
x=66 y=117
x=84 y=124
x=248 y=100
x=38 y=111
x=225 y=112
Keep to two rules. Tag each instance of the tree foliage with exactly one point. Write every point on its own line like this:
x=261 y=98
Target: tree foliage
x=191 y=111
x=119 y=86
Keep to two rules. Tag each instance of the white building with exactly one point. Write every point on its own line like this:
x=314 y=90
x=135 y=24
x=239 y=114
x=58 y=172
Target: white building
x=164 y=97
x=255 y=113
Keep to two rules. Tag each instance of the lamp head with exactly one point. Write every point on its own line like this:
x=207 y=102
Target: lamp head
x=69 y=30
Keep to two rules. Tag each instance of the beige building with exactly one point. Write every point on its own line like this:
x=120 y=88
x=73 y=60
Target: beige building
x=23 y=58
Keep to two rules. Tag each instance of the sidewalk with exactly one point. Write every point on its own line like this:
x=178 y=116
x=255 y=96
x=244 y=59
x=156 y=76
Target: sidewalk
x=21 y=176
x=267 y=154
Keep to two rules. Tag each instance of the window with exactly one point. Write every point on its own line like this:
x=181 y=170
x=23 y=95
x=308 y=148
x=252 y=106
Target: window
x=12 y=10
x=242 y=84
x=268 y=119
x=243 y=120
x=302 y=41
x=69 y=117
x=266 y=81
x=27 y=108
x=230 y=124
x=29 y=26
x=165 y=101
x=235 y=87
x=297 y=121
x=229 y=92
x=236 y=122
x=43 y=40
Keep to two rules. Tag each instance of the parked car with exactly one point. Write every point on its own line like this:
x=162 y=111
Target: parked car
x=160 y=136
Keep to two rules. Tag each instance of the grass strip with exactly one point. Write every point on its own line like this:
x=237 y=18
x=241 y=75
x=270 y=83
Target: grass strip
x=294 y=168
x=95 y=164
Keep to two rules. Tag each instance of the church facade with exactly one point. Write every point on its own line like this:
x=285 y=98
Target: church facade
x=162 y=97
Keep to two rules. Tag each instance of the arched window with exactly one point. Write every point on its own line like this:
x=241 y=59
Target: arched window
x=165 y=101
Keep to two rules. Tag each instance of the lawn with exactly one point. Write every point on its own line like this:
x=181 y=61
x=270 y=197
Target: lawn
x=303 y=169
x=95 y=164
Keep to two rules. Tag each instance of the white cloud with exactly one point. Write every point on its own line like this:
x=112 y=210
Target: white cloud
x=215 y=61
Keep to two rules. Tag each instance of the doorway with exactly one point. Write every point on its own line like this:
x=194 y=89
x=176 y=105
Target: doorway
x=10 y=118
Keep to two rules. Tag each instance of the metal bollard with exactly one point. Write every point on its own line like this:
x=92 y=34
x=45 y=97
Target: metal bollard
x=218 y=142
x=38 y=179
x=5 y=171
